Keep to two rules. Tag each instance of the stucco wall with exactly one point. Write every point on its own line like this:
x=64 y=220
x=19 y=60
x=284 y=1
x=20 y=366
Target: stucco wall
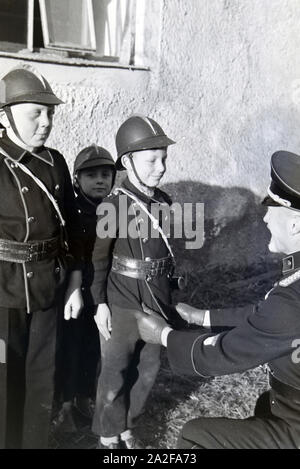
x=225 y=83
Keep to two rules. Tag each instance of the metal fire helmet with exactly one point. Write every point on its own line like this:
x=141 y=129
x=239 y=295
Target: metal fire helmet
x=21 y=85
x=139 y=133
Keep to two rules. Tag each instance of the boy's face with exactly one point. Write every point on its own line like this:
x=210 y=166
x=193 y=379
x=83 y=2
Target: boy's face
x=33 y=123
x=96 y=182
x=150 y=165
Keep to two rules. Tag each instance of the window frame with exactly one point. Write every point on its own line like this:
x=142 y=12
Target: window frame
x=67 y=47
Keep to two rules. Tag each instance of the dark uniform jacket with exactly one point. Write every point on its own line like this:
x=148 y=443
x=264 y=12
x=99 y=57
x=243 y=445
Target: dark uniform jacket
x=26 y=214
x=267 y=333
x=122 y=291
x=87 y=213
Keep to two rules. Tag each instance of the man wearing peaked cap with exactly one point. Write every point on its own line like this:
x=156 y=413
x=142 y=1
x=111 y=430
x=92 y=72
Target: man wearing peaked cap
x=285 y=185
x=266 y=333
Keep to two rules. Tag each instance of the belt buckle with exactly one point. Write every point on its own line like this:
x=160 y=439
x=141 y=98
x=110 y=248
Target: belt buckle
x=153 y=269
x=29 y=253
x=149 y=277
x=161 y=266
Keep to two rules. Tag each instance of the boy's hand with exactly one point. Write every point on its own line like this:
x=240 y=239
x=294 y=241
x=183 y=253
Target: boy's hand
x=103 y=320
x=190 y=314
x=73 y=297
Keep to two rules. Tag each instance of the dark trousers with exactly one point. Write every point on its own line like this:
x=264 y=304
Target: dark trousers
x=27 y=377
x=129 y=367
x=263 y=431
x=79 y=352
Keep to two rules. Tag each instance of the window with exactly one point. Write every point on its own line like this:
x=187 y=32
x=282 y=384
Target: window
x=68 y=24
x=15 y=32
x=95 y=30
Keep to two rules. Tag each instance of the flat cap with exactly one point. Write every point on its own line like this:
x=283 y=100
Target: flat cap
x=284 y=189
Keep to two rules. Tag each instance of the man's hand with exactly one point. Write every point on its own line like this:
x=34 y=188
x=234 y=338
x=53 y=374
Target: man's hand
x=150 y=325
x=103 y=320
x=190 y=314
x=73 y=297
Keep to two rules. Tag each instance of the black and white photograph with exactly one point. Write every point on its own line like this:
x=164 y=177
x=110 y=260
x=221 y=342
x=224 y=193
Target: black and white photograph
x=149 y=227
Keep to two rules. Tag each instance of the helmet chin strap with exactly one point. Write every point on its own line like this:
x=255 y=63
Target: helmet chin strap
x=143 y=185
x=10 y=118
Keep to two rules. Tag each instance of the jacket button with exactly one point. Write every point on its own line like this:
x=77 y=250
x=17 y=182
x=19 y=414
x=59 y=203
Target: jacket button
x=147 y=258
x=57 y=270
x=29 y=274
x=145 y=240
x=25 y=189
x=31 y=219
x=12 y=165
x=57 y=187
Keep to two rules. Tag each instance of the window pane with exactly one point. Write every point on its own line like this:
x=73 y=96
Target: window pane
x=67 y=22
x=13 y=21
x=113 y=20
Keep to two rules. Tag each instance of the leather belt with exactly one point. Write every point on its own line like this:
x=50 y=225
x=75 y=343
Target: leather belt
x=147 y=269
x=284 y=389
x=13 y=251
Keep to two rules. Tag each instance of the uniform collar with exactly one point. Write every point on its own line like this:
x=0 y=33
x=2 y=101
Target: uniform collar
x=17 y=153
x=143 y=197
x=291 y=263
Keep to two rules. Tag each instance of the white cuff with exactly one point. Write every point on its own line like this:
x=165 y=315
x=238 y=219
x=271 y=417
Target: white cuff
x=164 y=335
x=206 y=321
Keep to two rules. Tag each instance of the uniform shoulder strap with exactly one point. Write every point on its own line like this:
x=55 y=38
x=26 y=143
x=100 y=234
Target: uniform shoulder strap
x=154 y=221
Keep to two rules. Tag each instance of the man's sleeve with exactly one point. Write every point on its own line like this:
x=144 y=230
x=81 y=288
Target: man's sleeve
x=230 y=317
x=265 y=335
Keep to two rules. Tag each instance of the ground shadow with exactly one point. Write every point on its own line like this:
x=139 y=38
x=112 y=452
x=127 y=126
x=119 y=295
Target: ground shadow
x=235 y=251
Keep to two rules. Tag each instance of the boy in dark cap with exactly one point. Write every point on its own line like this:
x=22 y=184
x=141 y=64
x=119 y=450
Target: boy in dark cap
x=93 y=178
x=266 y=333
x=141 y=269
x=38 y=224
